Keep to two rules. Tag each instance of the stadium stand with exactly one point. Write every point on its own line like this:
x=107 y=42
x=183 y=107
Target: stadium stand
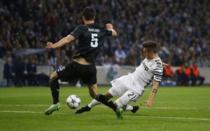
x=181 y=28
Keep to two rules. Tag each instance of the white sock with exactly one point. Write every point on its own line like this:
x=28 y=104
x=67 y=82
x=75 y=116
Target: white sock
x=122 y=101
x=129 y=108
x=93 y=103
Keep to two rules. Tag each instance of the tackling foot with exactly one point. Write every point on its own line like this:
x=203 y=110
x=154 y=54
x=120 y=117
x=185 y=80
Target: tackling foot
x=135 y=109
x=83 y=109
x=52 y=108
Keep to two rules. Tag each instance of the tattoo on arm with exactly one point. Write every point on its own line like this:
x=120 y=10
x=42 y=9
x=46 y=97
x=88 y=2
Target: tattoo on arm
x=154 y=91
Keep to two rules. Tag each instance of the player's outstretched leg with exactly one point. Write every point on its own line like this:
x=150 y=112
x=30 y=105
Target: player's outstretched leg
x=133 y=109
x=54 y=86
x=94 y=102
x=87 y=107
x=105 y=100
x=83 y=109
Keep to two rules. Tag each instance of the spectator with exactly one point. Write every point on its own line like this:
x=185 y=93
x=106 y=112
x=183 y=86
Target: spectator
x=183 y=75
x=168 y=72
x=120 y=55
x=131 y=57
x=8 y=72
x=196 y=76
x=26 y=75
x=30 y=72
x=33 y=73
x=172 y=23
x=2 y=50
x=187 y=72
x=18 y=69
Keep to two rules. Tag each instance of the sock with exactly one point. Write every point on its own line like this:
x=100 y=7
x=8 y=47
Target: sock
x=122 y=101
x=93 y=103
x=104 y=100
x=54 y=86
x=129 y=108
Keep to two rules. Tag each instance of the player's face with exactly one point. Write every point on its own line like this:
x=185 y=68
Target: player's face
x=147 y=53
x=144 y=52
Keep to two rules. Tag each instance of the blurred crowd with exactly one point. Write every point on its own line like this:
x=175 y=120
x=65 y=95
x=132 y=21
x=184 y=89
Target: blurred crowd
x=181 y=27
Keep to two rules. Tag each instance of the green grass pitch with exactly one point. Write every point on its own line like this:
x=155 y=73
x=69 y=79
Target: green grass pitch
x=175 y=109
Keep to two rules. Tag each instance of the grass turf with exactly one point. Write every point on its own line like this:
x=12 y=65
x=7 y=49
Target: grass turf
x=175 y=109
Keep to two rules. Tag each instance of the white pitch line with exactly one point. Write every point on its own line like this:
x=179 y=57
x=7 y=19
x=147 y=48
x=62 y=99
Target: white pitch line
x=175 y=118
x=26 y=112
x=143 y=116
x=171 y=108
x=24 y=105
x=21 y=112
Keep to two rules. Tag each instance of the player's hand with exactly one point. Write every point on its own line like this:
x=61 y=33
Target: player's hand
x=109 y=26
x=149 y=103
x=49 y=45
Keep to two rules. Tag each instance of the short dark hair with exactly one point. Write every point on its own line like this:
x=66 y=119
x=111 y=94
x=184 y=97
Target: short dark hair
x=89 y=13
x=150 y=45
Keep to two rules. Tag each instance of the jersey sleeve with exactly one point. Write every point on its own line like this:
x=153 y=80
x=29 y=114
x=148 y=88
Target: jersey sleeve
x=158 y=71
x=77 y=31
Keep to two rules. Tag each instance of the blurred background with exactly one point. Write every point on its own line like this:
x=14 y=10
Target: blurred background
x=182 y=29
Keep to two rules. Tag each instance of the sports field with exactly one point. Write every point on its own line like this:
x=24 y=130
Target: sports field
x=175 y=109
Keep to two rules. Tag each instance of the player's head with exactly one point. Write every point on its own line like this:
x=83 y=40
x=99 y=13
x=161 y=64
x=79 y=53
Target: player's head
x=149 y=48
x=88 y=14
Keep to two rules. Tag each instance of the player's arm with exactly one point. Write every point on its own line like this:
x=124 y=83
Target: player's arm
x=110 y=27
x=153 y=92
x=65 y=40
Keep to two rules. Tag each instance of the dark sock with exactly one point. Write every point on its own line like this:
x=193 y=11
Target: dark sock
x=54 y=85
x=105 y=100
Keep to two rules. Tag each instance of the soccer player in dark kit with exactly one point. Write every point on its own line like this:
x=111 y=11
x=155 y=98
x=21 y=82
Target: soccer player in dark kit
x=90 y=38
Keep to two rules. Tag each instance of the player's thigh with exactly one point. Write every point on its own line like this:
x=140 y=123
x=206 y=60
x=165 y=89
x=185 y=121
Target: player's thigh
x=67 y=72
x=87 y=74
x=53 y=75
x=118 y=86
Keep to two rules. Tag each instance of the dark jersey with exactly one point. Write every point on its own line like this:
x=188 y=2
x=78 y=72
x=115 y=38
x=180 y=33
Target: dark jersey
x=90 y=39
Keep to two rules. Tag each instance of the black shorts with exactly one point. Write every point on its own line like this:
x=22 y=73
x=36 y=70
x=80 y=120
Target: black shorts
x=75 y=71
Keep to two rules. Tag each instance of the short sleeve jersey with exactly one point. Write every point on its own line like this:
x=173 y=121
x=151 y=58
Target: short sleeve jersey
x=90 y=39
